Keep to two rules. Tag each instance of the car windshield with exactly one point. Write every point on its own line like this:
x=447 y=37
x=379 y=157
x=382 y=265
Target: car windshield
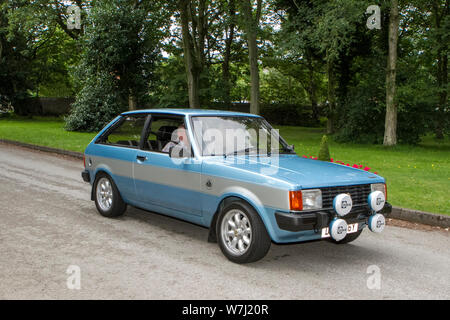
x=234 y=135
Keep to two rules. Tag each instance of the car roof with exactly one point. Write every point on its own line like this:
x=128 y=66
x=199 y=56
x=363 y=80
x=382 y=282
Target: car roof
x=192 y=112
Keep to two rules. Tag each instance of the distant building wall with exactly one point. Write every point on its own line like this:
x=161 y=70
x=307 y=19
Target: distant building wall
x=44 y=106
x=56 y=106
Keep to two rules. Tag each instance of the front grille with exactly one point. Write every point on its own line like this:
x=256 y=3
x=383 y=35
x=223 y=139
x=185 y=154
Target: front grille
x=359 y=212
x=359 y=194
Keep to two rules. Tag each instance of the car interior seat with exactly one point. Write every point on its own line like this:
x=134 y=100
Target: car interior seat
x=133 y=143
x=164 y=135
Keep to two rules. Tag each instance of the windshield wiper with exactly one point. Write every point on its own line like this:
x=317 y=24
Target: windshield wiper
x=283 y=150
x=287 y=150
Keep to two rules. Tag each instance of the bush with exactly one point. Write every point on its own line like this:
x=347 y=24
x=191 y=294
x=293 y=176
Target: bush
x=362 y=111
x=96 y=104
x=361 y=120
x=117 y=62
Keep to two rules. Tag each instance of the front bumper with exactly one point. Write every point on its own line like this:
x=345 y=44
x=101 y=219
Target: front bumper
x=316 y=220
x=387 y=209
x=86 y=176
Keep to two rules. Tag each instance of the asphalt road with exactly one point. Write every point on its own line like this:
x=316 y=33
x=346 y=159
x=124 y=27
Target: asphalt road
x=48 y=223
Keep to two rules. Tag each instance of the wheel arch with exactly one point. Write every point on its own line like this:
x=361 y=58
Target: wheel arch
x=98 y=171
x=231 y=197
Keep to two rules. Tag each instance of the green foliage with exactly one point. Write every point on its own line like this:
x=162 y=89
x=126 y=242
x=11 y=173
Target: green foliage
x=171 y=87
x=362 y=110
x=324 y=153
x=277 y=88
x=117 y=55
x=51 y=66
x=337 y=26
x=96 y=104
x=405 y=167
x=15 y=58
x=120 y=45
x=362 y=103
x=35 y=52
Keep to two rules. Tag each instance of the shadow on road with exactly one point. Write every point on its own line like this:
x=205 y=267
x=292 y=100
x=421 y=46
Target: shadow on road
x=317 y=257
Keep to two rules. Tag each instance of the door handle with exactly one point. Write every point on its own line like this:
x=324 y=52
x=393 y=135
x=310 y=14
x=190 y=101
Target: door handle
x=141 y=158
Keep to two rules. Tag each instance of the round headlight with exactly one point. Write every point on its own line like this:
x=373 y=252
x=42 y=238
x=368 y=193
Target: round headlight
x=376 y=223
x=338 y=229
x=379 y=187
x=376 y=200
x=342 y=204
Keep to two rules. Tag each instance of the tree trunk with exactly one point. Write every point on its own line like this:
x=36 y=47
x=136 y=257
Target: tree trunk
x=226 y=76
x=443 y=100
x=442 y=68
x=192 y=68
x=312 y=89
x=132 y=101
x=390 y=126
x=254 y=74
x=251 y=24
x=331 y=98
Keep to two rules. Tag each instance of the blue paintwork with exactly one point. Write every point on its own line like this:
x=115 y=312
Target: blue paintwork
x=292 y=170
x=293 y=173
x=166 y=196
x=168 y=211
x=191 y=112
x=126 y=188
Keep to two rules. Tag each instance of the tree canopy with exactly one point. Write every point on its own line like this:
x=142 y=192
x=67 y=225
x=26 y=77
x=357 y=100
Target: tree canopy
x=298 y=62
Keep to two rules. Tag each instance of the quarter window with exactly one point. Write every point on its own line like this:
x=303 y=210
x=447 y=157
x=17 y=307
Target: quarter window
x=127 y=133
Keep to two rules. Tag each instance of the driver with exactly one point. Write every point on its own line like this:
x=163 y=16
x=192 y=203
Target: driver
x=179 y=138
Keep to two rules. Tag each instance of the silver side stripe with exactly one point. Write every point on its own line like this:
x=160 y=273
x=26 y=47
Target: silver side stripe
x=194 y=181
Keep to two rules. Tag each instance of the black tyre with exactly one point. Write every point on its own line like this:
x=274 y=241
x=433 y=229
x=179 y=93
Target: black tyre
x=348 y=238
x=107 y=197
x=241 y=234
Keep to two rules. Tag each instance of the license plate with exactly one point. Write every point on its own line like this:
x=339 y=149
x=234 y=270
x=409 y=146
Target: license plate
x=352 y=228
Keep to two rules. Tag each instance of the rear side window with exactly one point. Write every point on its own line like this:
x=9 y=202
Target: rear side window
x=127 y=133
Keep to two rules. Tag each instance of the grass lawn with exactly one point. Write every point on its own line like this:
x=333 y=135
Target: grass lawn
x=418 y=177
x=44 y=131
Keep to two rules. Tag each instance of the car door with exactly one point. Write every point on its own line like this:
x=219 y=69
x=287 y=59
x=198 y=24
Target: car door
x=162 y=181
x=118 y=148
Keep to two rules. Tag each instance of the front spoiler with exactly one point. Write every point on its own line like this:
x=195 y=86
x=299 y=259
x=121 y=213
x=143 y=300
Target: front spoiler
x=85 y=175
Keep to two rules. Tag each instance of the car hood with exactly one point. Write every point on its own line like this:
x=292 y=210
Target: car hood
x=301 y=172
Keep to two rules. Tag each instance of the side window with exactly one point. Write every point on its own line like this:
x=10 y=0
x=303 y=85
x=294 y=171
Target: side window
x=166 y=132
x=128 y=133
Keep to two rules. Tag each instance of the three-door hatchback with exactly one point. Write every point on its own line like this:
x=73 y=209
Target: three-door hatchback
x=232 y=173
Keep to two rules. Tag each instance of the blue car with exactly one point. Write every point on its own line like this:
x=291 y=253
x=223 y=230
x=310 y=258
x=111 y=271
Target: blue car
x=232 y=173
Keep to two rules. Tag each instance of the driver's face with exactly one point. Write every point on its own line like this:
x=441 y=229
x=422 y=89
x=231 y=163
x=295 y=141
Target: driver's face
x=182 y=135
